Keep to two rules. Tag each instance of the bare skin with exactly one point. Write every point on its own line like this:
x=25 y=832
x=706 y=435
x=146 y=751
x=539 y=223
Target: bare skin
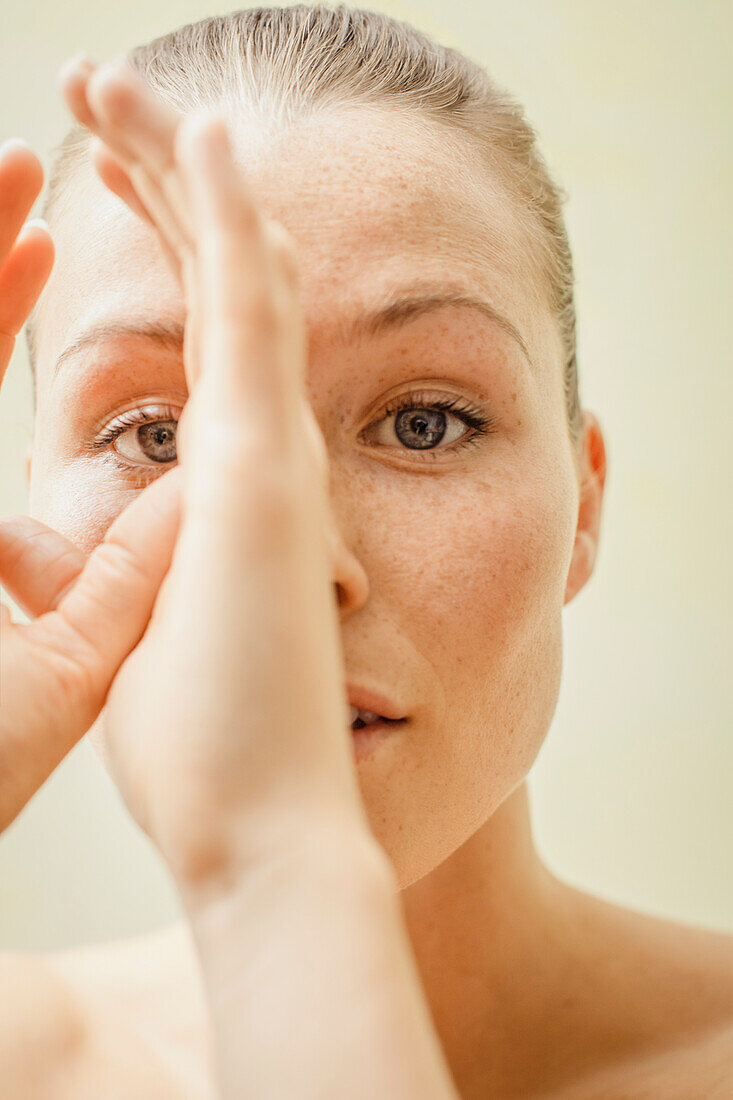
x=625 y=1006
x=537 y=990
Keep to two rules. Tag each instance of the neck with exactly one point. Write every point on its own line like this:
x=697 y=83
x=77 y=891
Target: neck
x=486 y=928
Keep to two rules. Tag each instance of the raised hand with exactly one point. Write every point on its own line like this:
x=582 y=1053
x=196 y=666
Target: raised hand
x=228 y=728
x=88 y=613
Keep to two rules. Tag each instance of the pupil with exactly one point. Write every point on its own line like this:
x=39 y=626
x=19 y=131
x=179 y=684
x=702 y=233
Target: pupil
x=157 y=435
x=419 y=425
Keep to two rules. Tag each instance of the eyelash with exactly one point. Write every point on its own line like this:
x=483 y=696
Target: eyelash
x=473 y=417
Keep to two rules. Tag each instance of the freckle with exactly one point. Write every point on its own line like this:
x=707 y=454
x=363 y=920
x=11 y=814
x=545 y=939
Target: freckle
x=514 y=397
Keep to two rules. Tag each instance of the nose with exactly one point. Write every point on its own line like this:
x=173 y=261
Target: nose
x=349 y=576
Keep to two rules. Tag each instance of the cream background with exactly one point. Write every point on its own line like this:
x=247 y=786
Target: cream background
x=631 y=791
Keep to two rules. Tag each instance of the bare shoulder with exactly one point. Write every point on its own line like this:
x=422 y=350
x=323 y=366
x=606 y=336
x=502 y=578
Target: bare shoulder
x=710 y=1061
x=702 y=1069
x=42 y=1028
x=665 y=995
x=676 y=976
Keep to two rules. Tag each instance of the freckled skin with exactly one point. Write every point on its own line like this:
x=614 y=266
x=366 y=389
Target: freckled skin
x=466 y=557
x=458 y=570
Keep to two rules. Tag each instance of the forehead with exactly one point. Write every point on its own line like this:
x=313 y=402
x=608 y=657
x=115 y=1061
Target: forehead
x=375 y=201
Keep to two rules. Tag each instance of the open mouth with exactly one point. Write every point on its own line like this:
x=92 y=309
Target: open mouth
x=367 y=720
x=370 y=731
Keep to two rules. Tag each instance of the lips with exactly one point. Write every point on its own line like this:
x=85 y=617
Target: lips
x=361 y=719
x=373 y=702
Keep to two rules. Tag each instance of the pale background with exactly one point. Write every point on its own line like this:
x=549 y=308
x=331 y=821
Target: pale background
x=632 y=789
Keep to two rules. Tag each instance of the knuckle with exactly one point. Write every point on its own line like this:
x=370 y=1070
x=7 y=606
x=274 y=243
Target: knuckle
x=252 y=492
x=246 y=217
x=77 y=670
x=120 y=566
x=246 y=321
x=272 y=511
x=315 y=439
x=285 y=252
x=113 y=93
x=236 y=222
x=262 y=310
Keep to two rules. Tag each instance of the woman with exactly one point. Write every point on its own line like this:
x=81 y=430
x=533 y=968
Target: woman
x=308 y=437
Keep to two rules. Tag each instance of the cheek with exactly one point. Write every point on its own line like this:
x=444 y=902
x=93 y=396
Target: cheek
x=474 y=579
x=73 y=501
x=487 y=565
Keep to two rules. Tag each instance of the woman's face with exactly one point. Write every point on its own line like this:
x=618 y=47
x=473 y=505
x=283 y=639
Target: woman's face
x=464 y=550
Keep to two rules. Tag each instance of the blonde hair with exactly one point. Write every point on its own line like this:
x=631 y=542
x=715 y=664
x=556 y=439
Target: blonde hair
x=287 y=62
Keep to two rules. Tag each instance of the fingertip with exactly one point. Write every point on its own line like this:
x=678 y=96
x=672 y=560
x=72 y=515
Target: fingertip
x=76 y=69
x=36 y=237
x=13 y=142
x=15 y=145
x=73 y=80
x=16 y=156
x=37 y=223
x=201 y=136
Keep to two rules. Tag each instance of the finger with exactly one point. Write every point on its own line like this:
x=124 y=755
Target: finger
x=133 y=118
x=285 y=251
x=76 y=650
x=98 y=97
x=24 y=274
x=242 y=303
x=113 y=175
x=73 y=79
x=22 y=278
x=36 y=563
x=109 y=605
x=139 y=127
x=21 y=180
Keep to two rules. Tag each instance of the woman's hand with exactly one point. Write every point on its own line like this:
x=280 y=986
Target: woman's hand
x=88 y=612
x=228 y=729
x=228 y=726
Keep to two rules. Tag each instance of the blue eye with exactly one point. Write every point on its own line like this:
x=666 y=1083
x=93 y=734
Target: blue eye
x=421 y=422
x=151 y=441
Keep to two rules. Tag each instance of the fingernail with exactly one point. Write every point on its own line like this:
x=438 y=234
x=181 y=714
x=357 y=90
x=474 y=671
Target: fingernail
x=83 y=58
x=41 y=223
x=14 y=144
x=73 y=64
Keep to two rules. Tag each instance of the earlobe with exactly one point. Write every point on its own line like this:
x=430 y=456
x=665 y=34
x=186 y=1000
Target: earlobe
x=589 y=511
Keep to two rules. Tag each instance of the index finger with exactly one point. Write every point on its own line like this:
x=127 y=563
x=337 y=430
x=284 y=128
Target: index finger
x=21 y=180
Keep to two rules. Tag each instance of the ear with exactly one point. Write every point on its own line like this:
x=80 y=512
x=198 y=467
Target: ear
x=593 y=480
x=28 y=463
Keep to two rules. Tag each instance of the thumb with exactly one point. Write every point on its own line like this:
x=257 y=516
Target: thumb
x=91 y=623
x=108 y=606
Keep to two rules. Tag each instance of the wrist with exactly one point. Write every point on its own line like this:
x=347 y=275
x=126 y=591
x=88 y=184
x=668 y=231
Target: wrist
x=330 y=856
x=311 y=944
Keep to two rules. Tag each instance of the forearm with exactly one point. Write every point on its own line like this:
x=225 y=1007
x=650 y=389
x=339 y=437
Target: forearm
x=312 y=984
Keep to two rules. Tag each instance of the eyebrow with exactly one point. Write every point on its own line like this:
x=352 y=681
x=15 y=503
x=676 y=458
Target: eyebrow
x=394 y=312
x=400 y=310
x=168 y=336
